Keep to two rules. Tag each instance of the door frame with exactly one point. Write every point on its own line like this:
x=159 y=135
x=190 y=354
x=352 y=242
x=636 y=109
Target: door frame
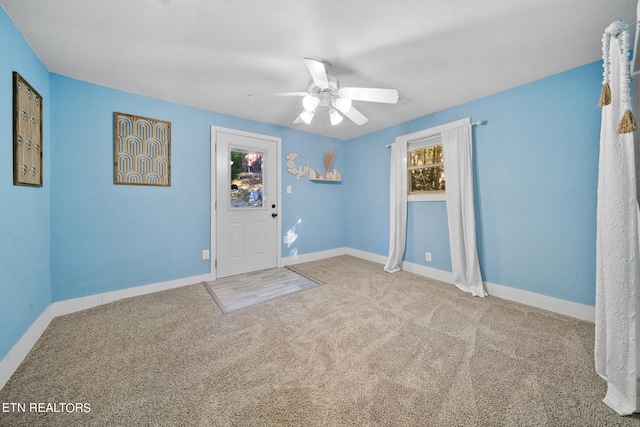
x=214 y=196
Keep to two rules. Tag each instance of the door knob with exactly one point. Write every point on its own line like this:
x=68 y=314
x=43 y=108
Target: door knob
x=274 y=214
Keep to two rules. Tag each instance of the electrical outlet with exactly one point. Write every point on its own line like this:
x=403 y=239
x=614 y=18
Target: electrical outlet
x=205 y=254
x=427 y=256
x=285 y=240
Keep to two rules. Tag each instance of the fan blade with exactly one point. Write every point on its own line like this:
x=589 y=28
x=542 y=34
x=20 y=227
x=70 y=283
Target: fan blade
x=354 y=115
x=305 y=117
x=318 y=73
x=255 y=95
x=389 y=96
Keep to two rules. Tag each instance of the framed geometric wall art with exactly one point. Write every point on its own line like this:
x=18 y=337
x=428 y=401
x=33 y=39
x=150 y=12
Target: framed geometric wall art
x=142 y=150
x=27 y=133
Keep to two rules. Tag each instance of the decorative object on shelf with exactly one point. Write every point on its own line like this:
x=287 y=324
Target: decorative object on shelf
x=27 y=133
x=333 y=175
x=329 y=158
x=329 y=175
x=142 y=150
x=291 y=167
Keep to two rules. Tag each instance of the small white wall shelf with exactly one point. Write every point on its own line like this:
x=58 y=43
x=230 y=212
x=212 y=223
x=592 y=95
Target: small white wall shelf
x=332 y=176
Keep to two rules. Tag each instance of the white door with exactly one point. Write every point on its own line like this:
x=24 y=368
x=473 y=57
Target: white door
x=247 y=201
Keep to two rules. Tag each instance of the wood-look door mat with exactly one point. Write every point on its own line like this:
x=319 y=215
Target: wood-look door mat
x=244 y=290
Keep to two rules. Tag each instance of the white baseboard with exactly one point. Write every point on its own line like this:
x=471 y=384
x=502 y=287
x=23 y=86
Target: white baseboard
x=314 y=256
x=21 y=349
x=60 y=308
x=380 y=259
x=433 y=273
x=557 y=305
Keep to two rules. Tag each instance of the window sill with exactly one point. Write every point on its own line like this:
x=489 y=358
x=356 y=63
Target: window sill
x=438 y=197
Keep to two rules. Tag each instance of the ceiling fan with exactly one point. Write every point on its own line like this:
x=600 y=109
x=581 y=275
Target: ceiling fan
x=324 y=91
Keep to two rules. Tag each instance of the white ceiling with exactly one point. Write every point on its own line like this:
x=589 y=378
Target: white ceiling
x=212 y=54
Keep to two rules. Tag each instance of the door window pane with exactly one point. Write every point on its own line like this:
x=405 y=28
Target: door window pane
x=247 y=189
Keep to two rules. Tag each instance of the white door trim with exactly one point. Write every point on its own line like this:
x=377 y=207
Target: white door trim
x=214 y=199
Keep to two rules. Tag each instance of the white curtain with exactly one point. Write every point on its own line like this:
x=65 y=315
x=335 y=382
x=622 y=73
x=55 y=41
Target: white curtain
x=456 y=144
x=617 y=250
x=398 y=209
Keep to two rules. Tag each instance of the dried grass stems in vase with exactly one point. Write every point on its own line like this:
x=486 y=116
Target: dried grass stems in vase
x=329 y=157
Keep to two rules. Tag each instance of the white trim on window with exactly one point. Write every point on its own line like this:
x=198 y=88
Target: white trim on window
x=427 y=141
x=433 y=197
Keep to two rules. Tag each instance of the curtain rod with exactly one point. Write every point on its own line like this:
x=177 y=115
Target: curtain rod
x=478 y=123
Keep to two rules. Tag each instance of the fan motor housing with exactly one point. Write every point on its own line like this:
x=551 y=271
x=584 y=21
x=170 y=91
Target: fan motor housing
x=325 y=96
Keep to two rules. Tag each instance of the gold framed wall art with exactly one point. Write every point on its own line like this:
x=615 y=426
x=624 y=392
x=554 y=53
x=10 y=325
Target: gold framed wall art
x=142 y=150
x=27 y=133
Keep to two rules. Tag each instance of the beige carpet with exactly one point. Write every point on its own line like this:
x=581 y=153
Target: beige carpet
x=366 y=349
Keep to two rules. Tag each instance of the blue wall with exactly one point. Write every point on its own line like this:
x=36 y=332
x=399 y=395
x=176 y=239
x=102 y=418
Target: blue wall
x=107 y=237
x=314 y=212
x=536 y=166
x=25 y=286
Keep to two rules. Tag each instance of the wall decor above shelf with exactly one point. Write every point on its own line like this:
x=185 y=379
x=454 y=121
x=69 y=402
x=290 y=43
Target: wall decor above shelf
x=331 y=176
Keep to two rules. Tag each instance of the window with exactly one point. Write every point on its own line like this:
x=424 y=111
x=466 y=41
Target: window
x=425 y=162
x=425 y=166
x=246 y=178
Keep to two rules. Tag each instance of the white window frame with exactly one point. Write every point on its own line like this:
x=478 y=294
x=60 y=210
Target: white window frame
x=419 y=138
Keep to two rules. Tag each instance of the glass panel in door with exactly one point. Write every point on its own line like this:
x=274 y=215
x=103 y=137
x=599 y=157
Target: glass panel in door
x=247 y=189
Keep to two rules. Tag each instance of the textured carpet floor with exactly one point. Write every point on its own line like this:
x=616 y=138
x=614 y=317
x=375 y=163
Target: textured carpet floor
x=366 y=349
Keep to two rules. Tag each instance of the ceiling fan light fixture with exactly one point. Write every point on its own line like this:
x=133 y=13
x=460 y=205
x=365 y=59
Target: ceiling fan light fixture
x=325 y=91
x=343 y=104
x=307 y=116
x=310 y=102
x=335 y=117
